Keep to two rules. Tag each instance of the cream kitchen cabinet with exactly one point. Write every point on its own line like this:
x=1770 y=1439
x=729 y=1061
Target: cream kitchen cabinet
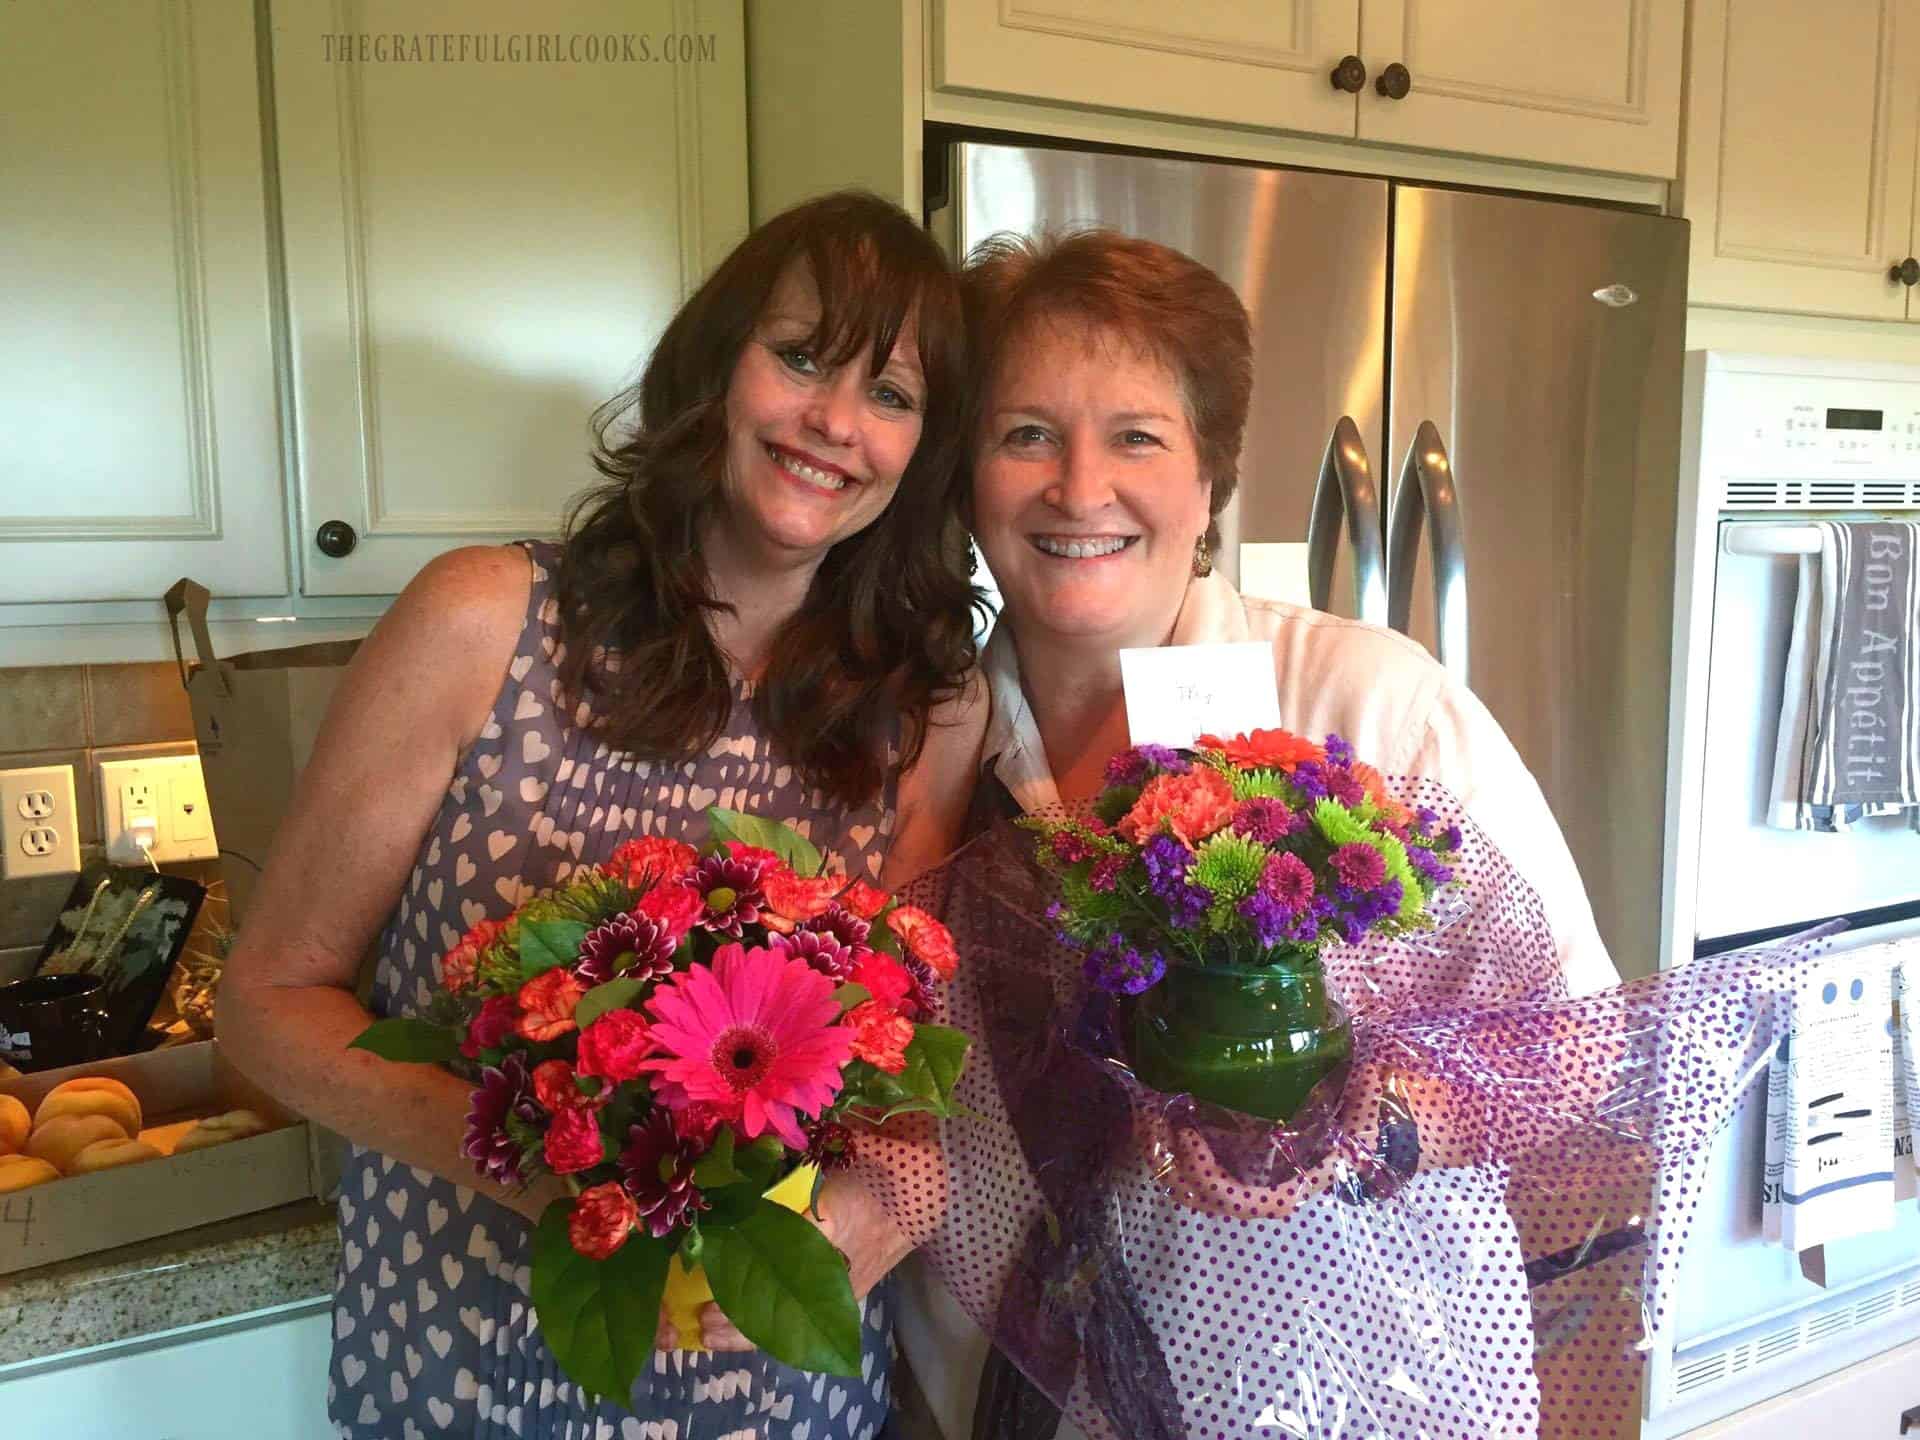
x=478 y=255
x=1593 y=86
x=1799 y=167
x=292 y=312
x=138 y=429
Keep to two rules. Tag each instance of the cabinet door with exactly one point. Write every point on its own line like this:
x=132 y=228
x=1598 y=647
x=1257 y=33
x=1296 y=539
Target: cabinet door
x=481 y=251
x=139 y=438
x=1593 y=84
x=1236 y=62
x=1800 y=154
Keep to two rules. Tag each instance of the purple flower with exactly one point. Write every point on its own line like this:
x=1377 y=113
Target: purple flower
x=1123 y=969
x=1263 y=819
x=1339 y=751
x=1360 y=866
x=1133 y=767
x=822 y=950
x=1343 y=785
x=1288 y=880
x=1428 y=864
x=1451 y=838
x=1106 y=872
x=921 y=995
x=730 y=893
x=628 y=944
x=1310 y=779
x=842 y=924
x=1271 y=921
x=1167 y=860
x=503 y=1091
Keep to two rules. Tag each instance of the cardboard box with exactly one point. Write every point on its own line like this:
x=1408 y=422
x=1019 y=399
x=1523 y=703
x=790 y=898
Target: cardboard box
x=85 y=1213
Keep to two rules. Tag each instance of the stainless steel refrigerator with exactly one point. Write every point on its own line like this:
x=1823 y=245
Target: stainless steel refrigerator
x=1467 y=407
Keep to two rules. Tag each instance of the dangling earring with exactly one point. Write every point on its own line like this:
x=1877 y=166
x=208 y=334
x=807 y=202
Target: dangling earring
x=1202 y=559
x=973 y=556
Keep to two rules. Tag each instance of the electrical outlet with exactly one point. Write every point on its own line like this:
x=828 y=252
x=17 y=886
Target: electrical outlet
x=39 y=830
x=166 y=790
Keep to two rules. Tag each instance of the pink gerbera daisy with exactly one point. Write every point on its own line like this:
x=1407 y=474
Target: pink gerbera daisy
x=754 y=1034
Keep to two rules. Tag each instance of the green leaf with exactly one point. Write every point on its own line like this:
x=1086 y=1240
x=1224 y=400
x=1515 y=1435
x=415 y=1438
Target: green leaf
x=716 y=1168
x=935 y=1058
x=867 y=1087
x=614 y=995
x=785 y=1288
x=796 y=850
x=414 y=1041
x=599 y=1316
x=761 y=1161
x=850 y=995
x=881 y=937
x=731 y=1204
x=547 y=943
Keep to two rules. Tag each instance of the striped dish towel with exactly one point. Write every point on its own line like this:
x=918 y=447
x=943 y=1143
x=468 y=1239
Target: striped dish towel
x=1849 y=746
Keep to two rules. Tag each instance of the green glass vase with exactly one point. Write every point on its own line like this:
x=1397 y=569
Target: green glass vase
x=1254 y=1038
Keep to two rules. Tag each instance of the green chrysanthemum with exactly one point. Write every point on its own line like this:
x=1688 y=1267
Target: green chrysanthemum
x=1229 y=865
x=1260 y=784
x=1341 y=826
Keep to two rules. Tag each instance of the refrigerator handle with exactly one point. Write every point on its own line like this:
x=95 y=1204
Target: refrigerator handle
x=1346 y=486
x=1428 y=490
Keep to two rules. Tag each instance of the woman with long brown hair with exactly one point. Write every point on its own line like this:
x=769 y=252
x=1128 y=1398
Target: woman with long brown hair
x=766 y=608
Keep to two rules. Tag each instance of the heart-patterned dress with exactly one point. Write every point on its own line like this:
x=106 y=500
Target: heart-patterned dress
x=434 y=1331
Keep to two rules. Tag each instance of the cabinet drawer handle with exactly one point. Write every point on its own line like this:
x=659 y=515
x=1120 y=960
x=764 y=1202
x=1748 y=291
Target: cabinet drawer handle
x=1349 y=75
x=336 y=539
x=1394 y=82
x=1907 y=272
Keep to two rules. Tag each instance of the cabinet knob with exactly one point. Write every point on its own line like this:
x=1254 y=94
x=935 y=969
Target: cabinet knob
x=1349 y=75
x=336 y=538
x=1907 y=272
x=1394 y=82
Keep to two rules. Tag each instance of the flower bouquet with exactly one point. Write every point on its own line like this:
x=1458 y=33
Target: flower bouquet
x=1205 y=883
x=688 y=1039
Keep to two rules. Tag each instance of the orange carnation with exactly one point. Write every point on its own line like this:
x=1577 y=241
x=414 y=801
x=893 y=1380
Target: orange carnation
x=798 y=897
x=1264 y=749
x=1192 y=806
x=547 y=1003
x=880 y=1037
x=926 y=939
x=646 y=861
x=864 y=900
x=1375 y=784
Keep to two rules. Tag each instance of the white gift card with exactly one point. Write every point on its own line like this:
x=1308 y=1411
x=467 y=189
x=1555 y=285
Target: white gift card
x=1177 y=693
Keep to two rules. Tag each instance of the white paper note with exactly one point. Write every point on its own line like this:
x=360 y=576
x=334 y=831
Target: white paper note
x=1906 y=1074
x=1177 y=693
x=1832 y=1128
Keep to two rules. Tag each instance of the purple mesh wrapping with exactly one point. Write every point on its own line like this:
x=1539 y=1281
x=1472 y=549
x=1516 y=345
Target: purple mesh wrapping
x=1469 y=1232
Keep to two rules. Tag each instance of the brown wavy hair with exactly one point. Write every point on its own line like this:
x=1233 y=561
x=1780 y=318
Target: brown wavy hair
x=1166 y=304
x=886 y=631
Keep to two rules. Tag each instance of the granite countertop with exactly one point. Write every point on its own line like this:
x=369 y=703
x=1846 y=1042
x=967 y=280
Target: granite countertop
x=233 y=1267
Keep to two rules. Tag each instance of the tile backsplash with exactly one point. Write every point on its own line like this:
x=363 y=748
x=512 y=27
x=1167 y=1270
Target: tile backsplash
x=59 y=715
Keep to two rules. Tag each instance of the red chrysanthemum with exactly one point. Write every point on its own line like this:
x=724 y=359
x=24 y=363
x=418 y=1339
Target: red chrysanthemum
x=503 y=1091
x=658 y=1167
x=755 y=1033
x=842 y=924
x=829 y=1145
x=729 y=891
x=822 y=951
x=602 y=1218
x=1264 y=749
x=648 y=860
x=925 y=938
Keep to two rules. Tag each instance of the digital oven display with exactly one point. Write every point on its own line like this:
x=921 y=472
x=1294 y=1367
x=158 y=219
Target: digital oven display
x=1854 y=419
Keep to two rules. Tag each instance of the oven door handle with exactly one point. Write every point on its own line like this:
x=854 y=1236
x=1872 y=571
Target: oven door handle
x=1345 y=487
x=1428 y=491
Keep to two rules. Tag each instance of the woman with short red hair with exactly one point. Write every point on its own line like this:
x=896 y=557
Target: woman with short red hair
x=1113 y=383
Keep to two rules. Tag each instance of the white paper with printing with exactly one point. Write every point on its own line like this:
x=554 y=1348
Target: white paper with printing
x=1177 y=693
x=1830 y=1140
x=1906 y=1073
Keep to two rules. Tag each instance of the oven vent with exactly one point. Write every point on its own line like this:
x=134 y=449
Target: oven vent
x=1840 y=494
x=1700 y=1372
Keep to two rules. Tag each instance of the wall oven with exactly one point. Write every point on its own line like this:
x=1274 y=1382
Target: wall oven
x=1769 y=444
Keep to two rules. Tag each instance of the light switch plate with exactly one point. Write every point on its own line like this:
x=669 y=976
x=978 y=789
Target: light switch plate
x=39 y=831
x=172 y=793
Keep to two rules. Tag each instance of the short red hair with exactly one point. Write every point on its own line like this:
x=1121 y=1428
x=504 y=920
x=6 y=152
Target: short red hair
x=1165 y=303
